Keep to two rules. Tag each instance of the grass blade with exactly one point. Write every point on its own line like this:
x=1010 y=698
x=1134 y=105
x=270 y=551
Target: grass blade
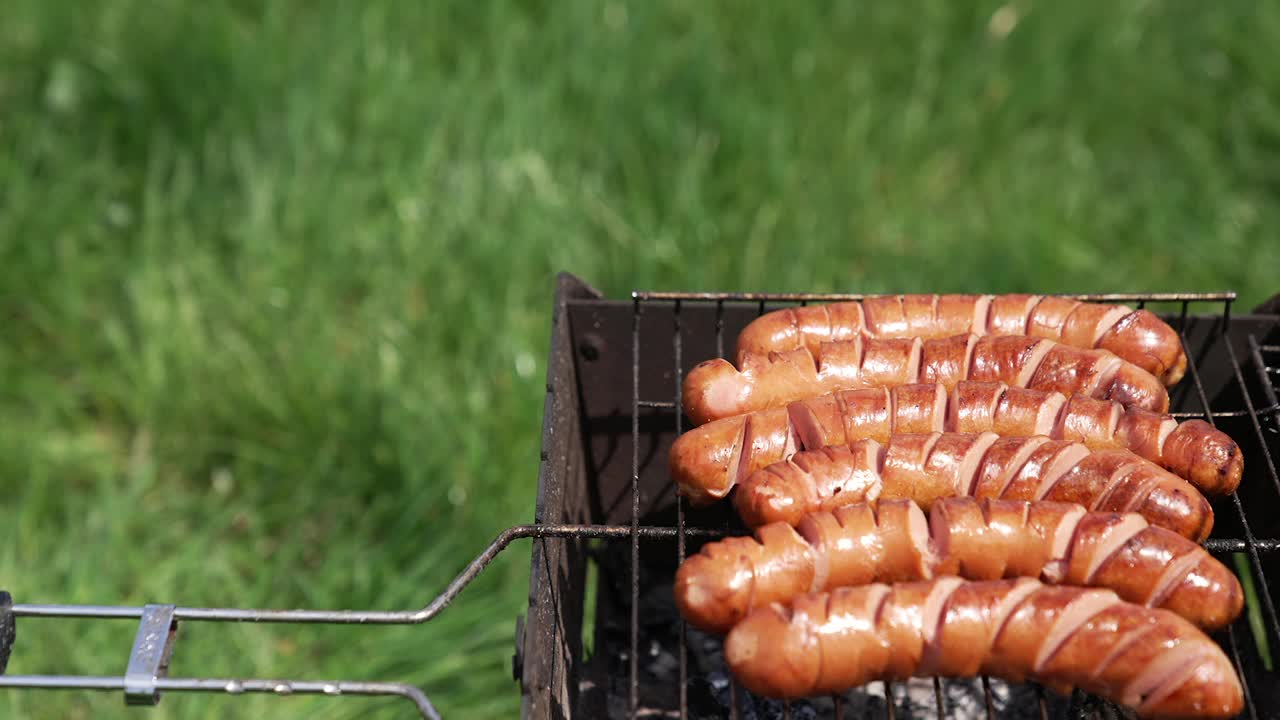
x=1253 y=610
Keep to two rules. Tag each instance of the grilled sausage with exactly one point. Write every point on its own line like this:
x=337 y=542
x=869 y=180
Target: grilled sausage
x=1138 y=336
x=926 y=467
x=715 y=389
x=1148 y=659
x=975 y=539
x=706 y=461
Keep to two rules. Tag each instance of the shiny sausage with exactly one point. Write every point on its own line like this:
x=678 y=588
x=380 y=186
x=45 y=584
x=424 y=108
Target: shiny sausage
x=926 y=467
x=707 y=460
x=1137 y=336
x=715 y=389
x=974 y=539
x=1150 y=660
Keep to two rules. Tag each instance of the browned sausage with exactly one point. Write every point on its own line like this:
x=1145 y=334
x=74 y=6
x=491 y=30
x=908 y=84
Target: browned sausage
x=926 y=467
x=975 y=539
x=1138 y=336
x=707 y=460
x=715 y=389
x=1148 y=659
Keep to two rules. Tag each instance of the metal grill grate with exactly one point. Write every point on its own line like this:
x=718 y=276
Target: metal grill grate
x=558 y=680
x=1193 y=403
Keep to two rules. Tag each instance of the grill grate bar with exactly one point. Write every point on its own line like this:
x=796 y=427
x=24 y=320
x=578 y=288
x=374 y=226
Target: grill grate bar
x=733 y=682
x=722 y=297
x=633 y=656
x=1042 y=701
x=682 y=631
x=986 y=696
x=1224 y=545
x=656 y=404
x=1268 y=389
x=1235 y=658
x=720 y=328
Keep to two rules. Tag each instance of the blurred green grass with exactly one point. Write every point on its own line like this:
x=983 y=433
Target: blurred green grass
x=275 y=278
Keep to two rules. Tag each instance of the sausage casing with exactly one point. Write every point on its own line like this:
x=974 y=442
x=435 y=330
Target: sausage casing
x=1137 y=336
x=1148 y=659
x=706 y=461
x=926 y=467
x=715 y=389
x=974 y=539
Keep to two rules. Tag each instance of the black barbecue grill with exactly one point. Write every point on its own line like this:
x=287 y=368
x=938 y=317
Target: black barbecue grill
x=602 y=637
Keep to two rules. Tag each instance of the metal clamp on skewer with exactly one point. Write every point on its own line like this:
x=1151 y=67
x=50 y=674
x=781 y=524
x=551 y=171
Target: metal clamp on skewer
x=149 y=659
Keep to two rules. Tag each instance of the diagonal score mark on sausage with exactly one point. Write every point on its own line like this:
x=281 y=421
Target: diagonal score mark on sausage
x=1009 y=315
